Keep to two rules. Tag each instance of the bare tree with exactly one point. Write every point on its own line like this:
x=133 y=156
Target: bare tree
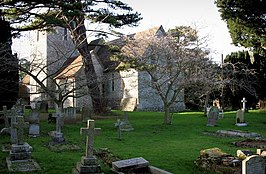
x=172 y=61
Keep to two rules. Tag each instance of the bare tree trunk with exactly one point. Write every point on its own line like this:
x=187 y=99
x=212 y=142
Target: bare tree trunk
x=167 y=119
x=206 y=103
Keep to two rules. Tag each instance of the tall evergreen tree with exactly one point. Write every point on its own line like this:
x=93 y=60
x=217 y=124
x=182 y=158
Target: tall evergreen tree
x=246 y=22
x=72 y=14
x=8 y=74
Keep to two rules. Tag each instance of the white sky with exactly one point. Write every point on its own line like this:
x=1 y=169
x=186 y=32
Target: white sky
x=170 y=13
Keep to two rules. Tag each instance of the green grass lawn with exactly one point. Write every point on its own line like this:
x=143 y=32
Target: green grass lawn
x=173 y=147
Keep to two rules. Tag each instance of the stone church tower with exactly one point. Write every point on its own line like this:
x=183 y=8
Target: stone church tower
x=49 y=50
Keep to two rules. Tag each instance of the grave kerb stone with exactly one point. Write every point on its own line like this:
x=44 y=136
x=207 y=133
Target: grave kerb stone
x=134 y=163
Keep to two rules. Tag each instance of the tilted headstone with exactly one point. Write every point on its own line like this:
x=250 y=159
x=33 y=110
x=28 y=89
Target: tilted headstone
x=213 y=116
x=34 y=119
x=254 y=164
x=88 y=162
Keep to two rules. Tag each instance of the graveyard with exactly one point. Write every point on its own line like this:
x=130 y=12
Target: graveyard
x=173 y=148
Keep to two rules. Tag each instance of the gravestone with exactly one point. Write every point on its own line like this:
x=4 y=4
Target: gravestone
x=34 y=120
x=88 y=162
x=85 y=113
x=254 y=164
x=20 y=155
x=129 y=164
x=213 y=116
x=57 y=135
x=240 y=121
x=7 y=114
x=70 y=115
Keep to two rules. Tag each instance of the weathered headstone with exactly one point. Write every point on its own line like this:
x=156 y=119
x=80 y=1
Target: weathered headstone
x=129 y=164
x=240 y=121
x=213 y=116
x=85 y=113
x=88 y=162
x=34 y=119
x=254 y=164
x=70 y=115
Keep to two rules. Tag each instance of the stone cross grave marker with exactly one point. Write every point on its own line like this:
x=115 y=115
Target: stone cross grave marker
x=89 y=131
x=118 y=125
x=13 y=130
x=57 y=135
x=88 y=163
x=20 y=125
x=7 y=114
x=59 y=122
x=243 y=101
x=254 y=164
x=213 y=116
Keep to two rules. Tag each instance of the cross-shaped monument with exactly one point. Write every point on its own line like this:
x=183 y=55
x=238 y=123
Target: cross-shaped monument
x=57 y=135
x=88 y=162
x=243 y=101
x=89 y=131
x=13 y=130
x=20 y=125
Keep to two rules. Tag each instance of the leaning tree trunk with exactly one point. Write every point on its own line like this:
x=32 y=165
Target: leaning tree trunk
x=80 y=40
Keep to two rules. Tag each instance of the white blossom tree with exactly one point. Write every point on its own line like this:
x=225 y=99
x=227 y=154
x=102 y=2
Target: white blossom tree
x=173 y=60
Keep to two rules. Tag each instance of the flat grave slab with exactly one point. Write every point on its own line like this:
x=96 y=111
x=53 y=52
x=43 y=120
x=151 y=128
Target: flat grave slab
x=132 y=163
x=22 y=165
